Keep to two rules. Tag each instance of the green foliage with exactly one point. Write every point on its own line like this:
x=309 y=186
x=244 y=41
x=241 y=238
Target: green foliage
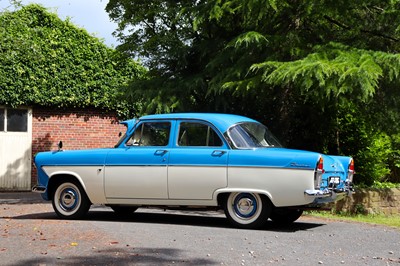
x=333 y=71
x=383 y=185
x=377 y=169
x=324 y=75
x=394 y=160
x=360 y=138
x=49 y=62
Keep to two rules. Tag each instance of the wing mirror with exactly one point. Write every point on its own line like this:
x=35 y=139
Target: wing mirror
x=60 y=145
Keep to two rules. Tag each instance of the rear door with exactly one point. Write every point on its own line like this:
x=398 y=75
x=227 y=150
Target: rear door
x=197 y=163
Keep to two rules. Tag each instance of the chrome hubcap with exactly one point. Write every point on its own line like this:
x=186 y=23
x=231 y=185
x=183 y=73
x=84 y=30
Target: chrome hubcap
x=245 y=206
x=68 y=199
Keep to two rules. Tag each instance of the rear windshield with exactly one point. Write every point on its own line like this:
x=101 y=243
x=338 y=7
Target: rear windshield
x=251 y=135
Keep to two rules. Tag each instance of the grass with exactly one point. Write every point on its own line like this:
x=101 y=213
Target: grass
x=387 y=220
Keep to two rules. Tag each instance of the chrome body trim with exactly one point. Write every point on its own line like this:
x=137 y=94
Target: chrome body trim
x=39 y=189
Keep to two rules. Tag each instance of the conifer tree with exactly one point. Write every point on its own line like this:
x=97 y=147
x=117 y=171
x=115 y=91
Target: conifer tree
x=322 y=74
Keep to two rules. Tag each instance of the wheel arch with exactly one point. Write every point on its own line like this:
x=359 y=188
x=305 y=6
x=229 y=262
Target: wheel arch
x=222 y=194
x=59 y=177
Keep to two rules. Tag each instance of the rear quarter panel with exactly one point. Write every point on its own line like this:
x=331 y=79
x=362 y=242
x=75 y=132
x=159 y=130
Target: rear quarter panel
x=282 y=174
x=284 y=187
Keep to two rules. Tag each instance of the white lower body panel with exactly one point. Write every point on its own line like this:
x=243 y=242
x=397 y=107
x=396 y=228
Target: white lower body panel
x=195 y=182
x=90 y=177
x=136 y=182
x=284 y=187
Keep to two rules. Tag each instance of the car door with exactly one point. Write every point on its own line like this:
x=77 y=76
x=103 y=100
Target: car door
x=197 y=163
x=139 y=170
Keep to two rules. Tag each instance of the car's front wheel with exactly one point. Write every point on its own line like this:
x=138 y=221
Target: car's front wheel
x=247 y=210
x=70 y=200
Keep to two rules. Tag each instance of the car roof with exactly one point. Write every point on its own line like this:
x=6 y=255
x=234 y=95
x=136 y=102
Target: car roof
x=221 y=121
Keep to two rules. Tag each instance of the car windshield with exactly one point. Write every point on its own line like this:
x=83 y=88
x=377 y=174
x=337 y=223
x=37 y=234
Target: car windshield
x=251 y=135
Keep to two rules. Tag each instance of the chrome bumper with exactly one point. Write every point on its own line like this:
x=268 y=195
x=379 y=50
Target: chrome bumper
x=327 y=195
x=313 y=193
x=39 y=189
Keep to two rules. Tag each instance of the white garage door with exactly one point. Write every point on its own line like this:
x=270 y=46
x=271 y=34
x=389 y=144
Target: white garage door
x=15 y=149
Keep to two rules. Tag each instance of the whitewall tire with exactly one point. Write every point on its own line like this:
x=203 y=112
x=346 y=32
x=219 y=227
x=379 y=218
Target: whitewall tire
x=247 y=210
x=70 y=200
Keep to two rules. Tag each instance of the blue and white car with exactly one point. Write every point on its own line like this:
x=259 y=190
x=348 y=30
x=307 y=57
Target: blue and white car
x=195 y=160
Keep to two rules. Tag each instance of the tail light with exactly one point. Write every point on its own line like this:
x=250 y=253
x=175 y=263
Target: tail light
x=320 y=164
x=319 y=170
x=350 y=171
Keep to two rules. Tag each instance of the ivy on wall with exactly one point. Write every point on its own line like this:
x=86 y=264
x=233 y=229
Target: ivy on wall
x=50 y=62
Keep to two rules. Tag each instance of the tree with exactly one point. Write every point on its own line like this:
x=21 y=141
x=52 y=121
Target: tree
x=301 y=67
x=49 y=62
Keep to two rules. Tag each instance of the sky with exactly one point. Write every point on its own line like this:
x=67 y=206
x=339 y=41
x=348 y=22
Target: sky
x=88 y=14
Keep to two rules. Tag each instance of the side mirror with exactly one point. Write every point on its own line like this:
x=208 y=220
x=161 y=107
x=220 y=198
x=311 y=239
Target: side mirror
x=60 y=145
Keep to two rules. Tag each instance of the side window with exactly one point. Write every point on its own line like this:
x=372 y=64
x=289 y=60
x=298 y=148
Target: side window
x=1 y=119
x=13 y=120
x=198 y=134
x=17 y=120
x=151 y=134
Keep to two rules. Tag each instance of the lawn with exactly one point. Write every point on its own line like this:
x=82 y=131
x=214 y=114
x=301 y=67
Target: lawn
x=388 y=220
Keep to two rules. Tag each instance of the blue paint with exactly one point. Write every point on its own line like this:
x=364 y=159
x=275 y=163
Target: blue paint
x=174 y=155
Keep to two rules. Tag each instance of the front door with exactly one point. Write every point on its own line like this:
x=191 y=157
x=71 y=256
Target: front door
x=15 y=149
x=140 y=170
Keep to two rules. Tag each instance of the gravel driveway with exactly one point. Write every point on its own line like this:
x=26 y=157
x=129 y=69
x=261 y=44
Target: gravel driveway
x=31 y=234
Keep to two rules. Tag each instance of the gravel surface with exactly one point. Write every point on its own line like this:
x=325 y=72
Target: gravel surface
x=31 y=234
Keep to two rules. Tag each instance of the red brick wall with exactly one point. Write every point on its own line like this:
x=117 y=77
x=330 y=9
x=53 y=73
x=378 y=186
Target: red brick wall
x=77 y=128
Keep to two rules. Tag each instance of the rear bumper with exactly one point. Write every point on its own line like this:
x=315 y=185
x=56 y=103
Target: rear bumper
x=328 y=195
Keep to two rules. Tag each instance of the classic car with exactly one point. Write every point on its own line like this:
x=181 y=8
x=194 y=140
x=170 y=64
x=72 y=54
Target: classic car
x=195 y=160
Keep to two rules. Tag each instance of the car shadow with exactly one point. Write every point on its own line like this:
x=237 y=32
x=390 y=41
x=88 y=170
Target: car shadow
x=156 y=216
x=139 y=256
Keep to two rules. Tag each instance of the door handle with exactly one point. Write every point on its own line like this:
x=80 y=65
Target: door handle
x=218 y=153
x=160 y=152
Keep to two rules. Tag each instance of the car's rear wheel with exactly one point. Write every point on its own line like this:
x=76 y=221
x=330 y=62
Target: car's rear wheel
x=247 y=210
x=285 y=216
x=70 y=200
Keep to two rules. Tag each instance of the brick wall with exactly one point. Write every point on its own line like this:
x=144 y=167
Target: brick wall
x=77 y=128
x=371 y=201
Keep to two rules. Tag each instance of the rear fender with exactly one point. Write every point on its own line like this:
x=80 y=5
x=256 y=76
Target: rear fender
x=219 y=192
